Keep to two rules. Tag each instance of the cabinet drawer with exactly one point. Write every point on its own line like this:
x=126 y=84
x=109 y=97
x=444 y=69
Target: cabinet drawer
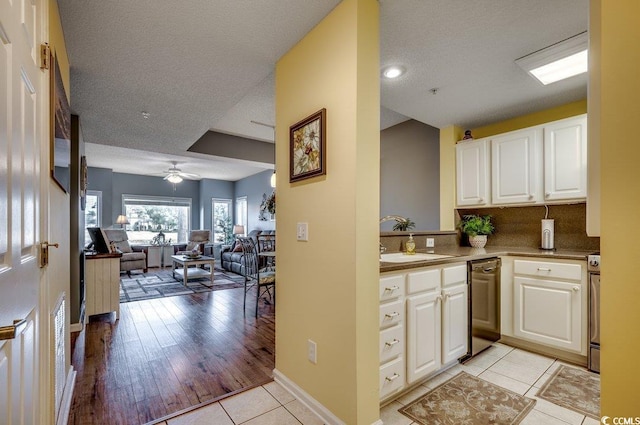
x=428 y=280
x=391 y=314
x=391 y=377
x=391 y=287
x=391 y=343
x=454 y=275
x=548 y=269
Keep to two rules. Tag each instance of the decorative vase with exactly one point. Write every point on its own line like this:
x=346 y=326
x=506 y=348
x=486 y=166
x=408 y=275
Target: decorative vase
x=478 y=241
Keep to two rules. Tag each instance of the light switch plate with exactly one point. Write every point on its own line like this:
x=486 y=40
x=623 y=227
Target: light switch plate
x=431 y=242
x=302 y=231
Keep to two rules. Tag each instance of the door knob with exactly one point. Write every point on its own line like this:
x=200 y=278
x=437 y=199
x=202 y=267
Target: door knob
x=44 y=252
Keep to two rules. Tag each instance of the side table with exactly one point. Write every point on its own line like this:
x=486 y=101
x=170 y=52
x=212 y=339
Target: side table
x=102 y=279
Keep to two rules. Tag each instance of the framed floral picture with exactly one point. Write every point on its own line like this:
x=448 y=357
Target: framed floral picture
x=308 y=147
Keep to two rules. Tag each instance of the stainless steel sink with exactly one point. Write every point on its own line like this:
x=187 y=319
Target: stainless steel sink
x=400 y=257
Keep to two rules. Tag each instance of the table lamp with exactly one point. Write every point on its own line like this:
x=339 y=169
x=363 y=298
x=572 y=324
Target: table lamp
x=238 y=229
x=122 y=220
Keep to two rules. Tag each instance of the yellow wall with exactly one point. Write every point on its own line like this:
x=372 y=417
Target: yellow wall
x=529 y=120
x=327 y=287
x=448 y=138
x=618 y=86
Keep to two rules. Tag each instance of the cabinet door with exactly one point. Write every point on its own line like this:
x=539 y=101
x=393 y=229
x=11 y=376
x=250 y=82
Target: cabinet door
x=548 y=312
x=423 y=334
x=455 y=322
x=472 y=173
x=565 y=159
x=516 y=167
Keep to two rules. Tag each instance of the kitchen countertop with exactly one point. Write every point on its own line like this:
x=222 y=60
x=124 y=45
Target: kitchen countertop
x=466 y=253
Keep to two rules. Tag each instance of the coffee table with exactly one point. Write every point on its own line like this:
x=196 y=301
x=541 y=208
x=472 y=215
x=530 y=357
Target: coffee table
x=187 y=272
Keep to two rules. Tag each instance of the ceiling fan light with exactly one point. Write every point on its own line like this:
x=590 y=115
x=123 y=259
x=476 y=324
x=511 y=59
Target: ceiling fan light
x=174 y=178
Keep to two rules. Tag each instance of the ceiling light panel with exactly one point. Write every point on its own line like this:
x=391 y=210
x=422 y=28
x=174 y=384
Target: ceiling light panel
x=392 y=72
x=559 y=61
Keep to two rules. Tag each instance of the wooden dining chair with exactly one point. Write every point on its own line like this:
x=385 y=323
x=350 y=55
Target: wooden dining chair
x=262 y=279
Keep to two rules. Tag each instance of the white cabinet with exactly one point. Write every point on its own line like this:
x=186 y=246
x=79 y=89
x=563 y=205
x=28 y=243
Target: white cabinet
x=472 y=173
x=516 y=167
x=541 y=164
x=437 y=319
x=432 y=330
x=102 y=279
x=550 y=303
x=565 y=159
x=392 y=334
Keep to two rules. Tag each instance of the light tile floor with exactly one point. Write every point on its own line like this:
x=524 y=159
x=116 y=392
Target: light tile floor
x=511 y=368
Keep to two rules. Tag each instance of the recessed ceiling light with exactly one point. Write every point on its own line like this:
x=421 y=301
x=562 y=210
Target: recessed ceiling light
x=558 y=61
x=393 y=71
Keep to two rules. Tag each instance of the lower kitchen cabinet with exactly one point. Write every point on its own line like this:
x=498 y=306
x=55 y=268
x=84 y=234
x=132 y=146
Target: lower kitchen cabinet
x=434 y=330
x=550 y=303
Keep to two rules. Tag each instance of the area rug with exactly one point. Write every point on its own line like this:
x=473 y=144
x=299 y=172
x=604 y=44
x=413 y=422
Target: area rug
x=160 y=283
x=575 y=389
x=465 y=399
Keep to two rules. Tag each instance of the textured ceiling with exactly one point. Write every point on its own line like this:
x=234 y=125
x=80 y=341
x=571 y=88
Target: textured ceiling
x=208 y=64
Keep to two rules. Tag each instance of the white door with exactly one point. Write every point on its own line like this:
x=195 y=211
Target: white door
x=548 y=312
x=23 y=128
x=472 y=173
x=565 y=159
x=455 y=323
x=516 y=167
x=423 y=334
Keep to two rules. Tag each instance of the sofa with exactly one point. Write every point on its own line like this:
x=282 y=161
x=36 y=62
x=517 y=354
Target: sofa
x=130 y=260
x=231 y=257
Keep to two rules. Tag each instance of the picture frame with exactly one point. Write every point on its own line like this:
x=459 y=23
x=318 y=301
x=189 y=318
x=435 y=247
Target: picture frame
x=60 y=147
x=307 y=147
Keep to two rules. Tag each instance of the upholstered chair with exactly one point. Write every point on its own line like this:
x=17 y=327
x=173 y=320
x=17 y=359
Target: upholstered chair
x=130 y=260
x=197 y=240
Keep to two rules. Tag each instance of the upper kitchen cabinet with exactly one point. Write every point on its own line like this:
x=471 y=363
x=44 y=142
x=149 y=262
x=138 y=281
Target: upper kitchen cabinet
x=516 y=167
x=472 y=172
x=536 y=165
x=565 y=159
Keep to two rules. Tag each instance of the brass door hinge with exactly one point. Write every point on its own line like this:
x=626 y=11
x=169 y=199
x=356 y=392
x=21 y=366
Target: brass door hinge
x=45 y=56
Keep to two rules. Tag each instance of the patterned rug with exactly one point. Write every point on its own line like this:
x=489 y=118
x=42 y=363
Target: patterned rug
x=160 y=283
x=465 y=399
x=575 y=389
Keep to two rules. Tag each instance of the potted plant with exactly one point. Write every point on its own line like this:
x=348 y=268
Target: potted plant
x=477 y=228
x=403 y=224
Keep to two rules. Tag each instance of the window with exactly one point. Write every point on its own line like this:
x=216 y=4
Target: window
x=92 y=215
x=222 y=221
x=241 y=212
x=150 y=215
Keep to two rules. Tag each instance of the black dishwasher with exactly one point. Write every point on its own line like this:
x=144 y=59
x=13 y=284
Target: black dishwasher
x=484 y=304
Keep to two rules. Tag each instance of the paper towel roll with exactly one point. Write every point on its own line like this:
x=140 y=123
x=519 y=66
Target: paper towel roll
x=547 y=233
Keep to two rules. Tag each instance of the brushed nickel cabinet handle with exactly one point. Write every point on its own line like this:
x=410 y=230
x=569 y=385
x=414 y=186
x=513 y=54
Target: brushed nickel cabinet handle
x=391 y=343
x=392 y=315
x=392 y=378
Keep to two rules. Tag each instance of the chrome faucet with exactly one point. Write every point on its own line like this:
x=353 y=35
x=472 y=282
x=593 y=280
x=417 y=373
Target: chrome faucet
x=397 y=218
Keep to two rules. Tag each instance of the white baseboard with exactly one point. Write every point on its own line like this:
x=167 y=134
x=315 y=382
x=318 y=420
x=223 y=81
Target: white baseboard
x=311 y=403
x=301 y=395
x=67 y=398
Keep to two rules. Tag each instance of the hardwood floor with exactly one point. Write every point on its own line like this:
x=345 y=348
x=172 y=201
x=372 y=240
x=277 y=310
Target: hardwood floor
x=168 y=354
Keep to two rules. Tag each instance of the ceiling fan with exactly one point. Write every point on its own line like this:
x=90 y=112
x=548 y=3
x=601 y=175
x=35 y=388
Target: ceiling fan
x=176 y=175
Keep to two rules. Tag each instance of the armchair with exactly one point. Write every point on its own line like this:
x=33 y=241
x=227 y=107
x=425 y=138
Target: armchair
x=197 y=239
x=130 y=260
